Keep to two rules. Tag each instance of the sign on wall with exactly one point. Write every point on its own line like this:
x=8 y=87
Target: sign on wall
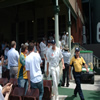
x=98 y=32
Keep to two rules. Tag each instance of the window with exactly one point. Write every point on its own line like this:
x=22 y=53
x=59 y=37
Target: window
x=62 y=23
x=13 y=32
x=30 y=26
x=50 y=23
x=40 y=29
x=21 y=27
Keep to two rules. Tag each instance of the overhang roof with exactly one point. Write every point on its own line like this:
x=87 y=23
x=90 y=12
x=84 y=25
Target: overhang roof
x=8 y=3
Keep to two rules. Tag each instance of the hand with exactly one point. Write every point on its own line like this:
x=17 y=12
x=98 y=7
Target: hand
x=8 y=93
x=87 y=70
x=63 y=66
x=7 y=88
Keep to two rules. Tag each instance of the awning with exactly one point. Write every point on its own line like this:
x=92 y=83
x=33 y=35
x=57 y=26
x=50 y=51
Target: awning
x=8 y=3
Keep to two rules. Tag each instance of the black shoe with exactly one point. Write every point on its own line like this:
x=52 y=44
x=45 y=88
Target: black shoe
x=59 y=85
x=62 y=84
x=67 y=85
x=82 y=99
x=74 y=95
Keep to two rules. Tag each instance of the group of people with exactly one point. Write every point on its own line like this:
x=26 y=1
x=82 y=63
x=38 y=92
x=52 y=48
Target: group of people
x=26 y=67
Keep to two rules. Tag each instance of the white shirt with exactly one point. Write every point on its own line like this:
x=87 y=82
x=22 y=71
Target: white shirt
x=35 y=49
x=66 y=56
x=53 y=57
x=1 y=95
x=13 y=56
x=32 y=64
x=63 y=43
x=64 y=37
x=6 y=51
x=42 y=46
x=46 y=49
x=60 y=44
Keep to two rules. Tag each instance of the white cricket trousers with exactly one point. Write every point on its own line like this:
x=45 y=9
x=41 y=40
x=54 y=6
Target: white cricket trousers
x=55 y=76
x=45 y=69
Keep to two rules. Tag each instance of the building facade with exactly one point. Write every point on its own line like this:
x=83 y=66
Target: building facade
x=24 y=20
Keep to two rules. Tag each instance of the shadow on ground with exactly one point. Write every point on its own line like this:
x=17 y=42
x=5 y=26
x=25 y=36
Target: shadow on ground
x=88 y=95
x=70 y=98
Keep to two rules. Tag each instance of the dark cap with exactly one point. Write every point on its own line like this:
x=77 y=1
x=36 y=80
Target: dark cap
x=49 y=41
x=77 y=49
x=53 y=42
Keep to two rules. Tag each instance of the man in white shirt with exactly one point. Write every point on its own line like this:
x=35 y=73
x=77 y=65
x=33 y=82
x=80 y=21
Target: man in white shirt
x=42 y=48
x=1 y=63
x=45 y=54
x=13 y=56
x=32 y=64
x=64 y=37
x=53 y=57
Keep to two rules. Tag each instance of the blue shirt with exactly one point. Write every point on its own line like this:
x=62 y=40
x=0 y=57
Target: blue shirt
x=13 y=56
x=66 y=56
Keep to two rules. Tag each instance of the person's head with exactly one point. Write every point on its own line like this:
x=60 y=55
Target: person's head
x=22 y=44
x=26 y=44
x=13 y=44
x=53 y=42
x=24 y=49
x=77 y=51
x=64 y=33
x=49 y=42
x=34 y=43
x=67 y=33
x=66 y=48
x=31 y=47
x=43 y=40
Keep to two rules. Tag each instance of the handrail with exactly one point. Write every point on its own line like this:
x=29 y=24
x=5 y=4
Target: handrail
x=85 y=49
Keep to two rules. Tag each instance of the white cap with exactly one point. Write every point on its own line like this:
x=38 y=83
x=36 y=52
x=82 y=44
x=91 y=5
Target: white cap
x=26 y=44
x=22 y=44
x=66 y=32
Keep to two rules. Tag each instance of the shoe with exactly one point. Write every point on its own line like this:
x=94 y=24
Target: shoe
x=74 y=95
x=67 y=85
x=62 y=84
x=59 y=85
x=82 y=99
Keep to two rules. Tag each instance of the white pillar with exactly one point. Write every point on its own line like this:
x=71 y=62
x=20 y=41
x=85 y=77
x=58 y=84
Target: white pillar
x=57 y=27
x=69 y=29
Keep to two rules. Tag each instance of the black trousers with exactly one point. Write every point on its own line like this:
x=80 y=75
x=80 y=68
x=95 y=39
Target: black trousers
x=77 y=76
x=66 y=73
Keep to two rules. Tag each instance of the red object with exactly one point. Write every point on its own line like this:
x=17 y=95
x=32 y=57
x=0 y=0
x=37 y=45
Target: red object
x=47 y=89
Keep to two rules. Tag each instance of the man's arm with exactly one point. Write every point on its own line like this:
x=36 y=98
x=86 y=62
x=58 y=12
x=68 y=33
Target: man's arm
x=2 y=61
x=62 y=60
x=28 y=75
x=85 y=65
x=47 y=68
x=70 y=72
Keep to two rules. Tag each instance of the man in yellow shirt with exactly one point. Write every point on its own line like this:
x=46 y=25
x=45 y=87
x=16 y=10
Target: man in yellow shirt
x=77 y=63
x=22 y=73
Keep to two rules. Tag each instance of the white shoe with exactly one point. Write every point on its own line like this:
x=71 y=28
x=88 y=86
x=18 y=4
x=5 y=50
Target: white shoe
x=52 y=97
